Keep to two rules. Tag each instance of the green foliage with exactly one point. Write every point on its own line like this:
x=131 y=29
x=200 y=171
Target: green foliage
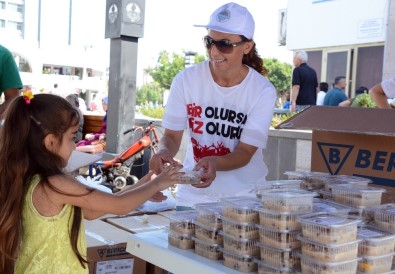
x=150 y=92
x=363 y=101
x=279 y=74
x=279 y=118
x=153 y=112
x=168 y=66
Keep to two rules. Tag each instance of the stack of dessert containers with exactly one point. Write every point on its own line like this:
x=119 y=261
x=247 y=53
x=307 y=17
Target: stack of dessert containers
x=329 y=243
x=182 y=228
x=208 y=224
x=341 y=180
x=278 y=228
x=239 y=232
x=376 y=249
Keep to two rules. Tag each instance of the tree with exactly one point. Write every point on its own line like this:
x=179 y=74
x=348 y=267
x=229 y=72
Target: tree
x=168 y=67
x=150 y=92
x=279 y=74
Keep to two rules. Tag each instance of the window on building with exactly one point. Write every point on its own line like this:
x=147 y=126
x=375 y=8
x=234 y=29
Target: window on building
x=2 y=23
x=15 y=7
x=2 y=5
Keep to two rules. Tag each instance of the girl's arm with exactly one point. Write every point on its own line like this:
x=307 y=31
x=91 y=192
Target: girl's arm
x=157 y=197
x=96 y=203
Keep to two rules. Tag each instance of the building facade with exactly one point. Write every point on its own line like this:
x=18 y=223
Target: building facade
x=53 y=45
x=342 y=38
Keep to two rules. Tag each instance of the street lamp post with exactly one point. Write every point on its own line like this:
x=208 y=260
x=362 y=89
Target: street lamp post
x=124 y=25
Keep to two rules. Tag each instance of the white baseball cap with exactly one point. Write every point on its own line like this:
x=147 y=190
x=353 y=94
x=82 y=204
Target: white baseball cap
x=232 y=18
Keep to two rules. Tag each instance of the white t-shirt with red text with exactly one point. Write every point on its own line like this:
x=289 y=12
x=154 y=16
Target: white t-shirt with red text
x=217 y=119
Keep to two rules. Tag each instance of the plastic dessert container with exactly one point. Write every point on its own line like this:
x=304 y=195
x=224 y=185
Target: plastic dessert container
x=329 y=228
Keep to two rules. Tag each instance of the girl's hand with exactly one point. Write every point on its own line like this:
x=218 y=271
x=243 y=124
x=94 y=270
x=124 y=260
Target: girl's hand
x=158 y=197
x=208 y=165
x=147 y=177
x=169 y=176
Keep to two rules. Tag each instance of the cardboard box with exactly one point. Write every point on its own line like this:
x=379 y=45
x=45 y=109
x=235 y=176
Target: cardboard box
x=138 y=223
x=351 y=141
x=107 y=250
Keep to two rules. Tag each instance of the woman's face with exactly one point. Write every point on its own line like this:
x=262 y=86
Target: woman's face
x=222 y=60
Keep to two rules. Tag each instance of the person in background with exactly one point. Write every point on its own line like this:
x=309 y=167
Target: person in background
x=287 y=103
x=321 y=94
x=226 y=104
x=41 y=208
x=361 y=90
x=336 y=96
x=10 y=80
x=73 y=100
x=96 y=138
x=382 y=92
x=304 y=83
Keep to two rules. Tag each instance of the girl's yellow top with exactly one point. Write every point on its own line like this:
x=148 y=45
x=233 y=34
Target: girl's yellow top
x=45 y=246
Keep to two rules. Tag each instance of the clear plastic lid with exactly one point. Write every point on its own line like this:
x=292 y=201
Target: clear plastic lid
x=305 y=174
x=328 y=219
x=274 y=230
x=334 y=179
x=239 y=257
x=275 y=212
x=329 y=246
x=228 y=237
x=374 y=258
x=371 y=232
x=287 y=193
x=235 y=222
x=214 y=207
x=278 y=184
x=242 y=202
x=199 y=241
x=273 y=268
x=273 y=248
x=206 y=227
x=329 y=265
x=321 y=205
x=182 y=216
x=176 y=234
x=357 y=189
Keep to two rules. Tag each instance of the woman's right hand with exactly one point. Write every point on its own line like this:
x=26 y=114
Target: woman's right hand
x=159 y=160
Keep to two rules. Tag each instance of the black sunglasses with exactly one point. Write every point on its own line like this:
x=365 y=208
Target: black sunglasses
x=224 y=46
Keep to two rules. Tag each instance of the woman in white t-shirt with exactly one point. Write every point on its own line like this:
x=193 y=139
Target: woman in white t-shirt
x=226 y=104
x=383 y=91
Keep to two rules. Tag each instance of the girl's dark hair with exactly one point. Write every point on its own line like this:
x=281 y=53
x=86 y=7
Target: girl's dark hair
x=252 y=59
x=23 y=155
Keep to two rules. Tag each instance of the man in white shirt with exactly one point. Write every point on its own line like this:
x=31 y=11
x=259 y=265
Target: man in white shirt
x=321 y=94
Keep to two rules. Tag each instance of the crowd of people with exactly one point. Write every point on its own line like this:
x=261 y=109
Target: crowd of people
x=225 y=104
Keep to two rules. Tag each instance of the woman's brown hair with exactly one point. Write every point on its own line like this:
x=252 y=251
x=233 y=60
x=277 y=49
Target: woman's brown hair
x=252 y=59
x=23 y=155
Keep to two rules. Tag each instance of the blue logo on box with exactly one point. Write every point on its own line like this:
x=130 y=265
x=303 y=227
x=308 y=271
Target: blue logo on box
x=334 y=155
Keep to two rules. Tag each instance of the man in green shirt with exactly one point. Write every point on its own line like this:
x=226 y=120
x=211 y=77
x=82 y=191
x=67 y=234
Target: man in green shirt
x=10 y=80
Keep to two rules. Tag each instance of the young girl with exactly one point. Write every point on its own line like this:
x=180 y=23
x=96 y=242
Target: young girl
x=41 y=208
